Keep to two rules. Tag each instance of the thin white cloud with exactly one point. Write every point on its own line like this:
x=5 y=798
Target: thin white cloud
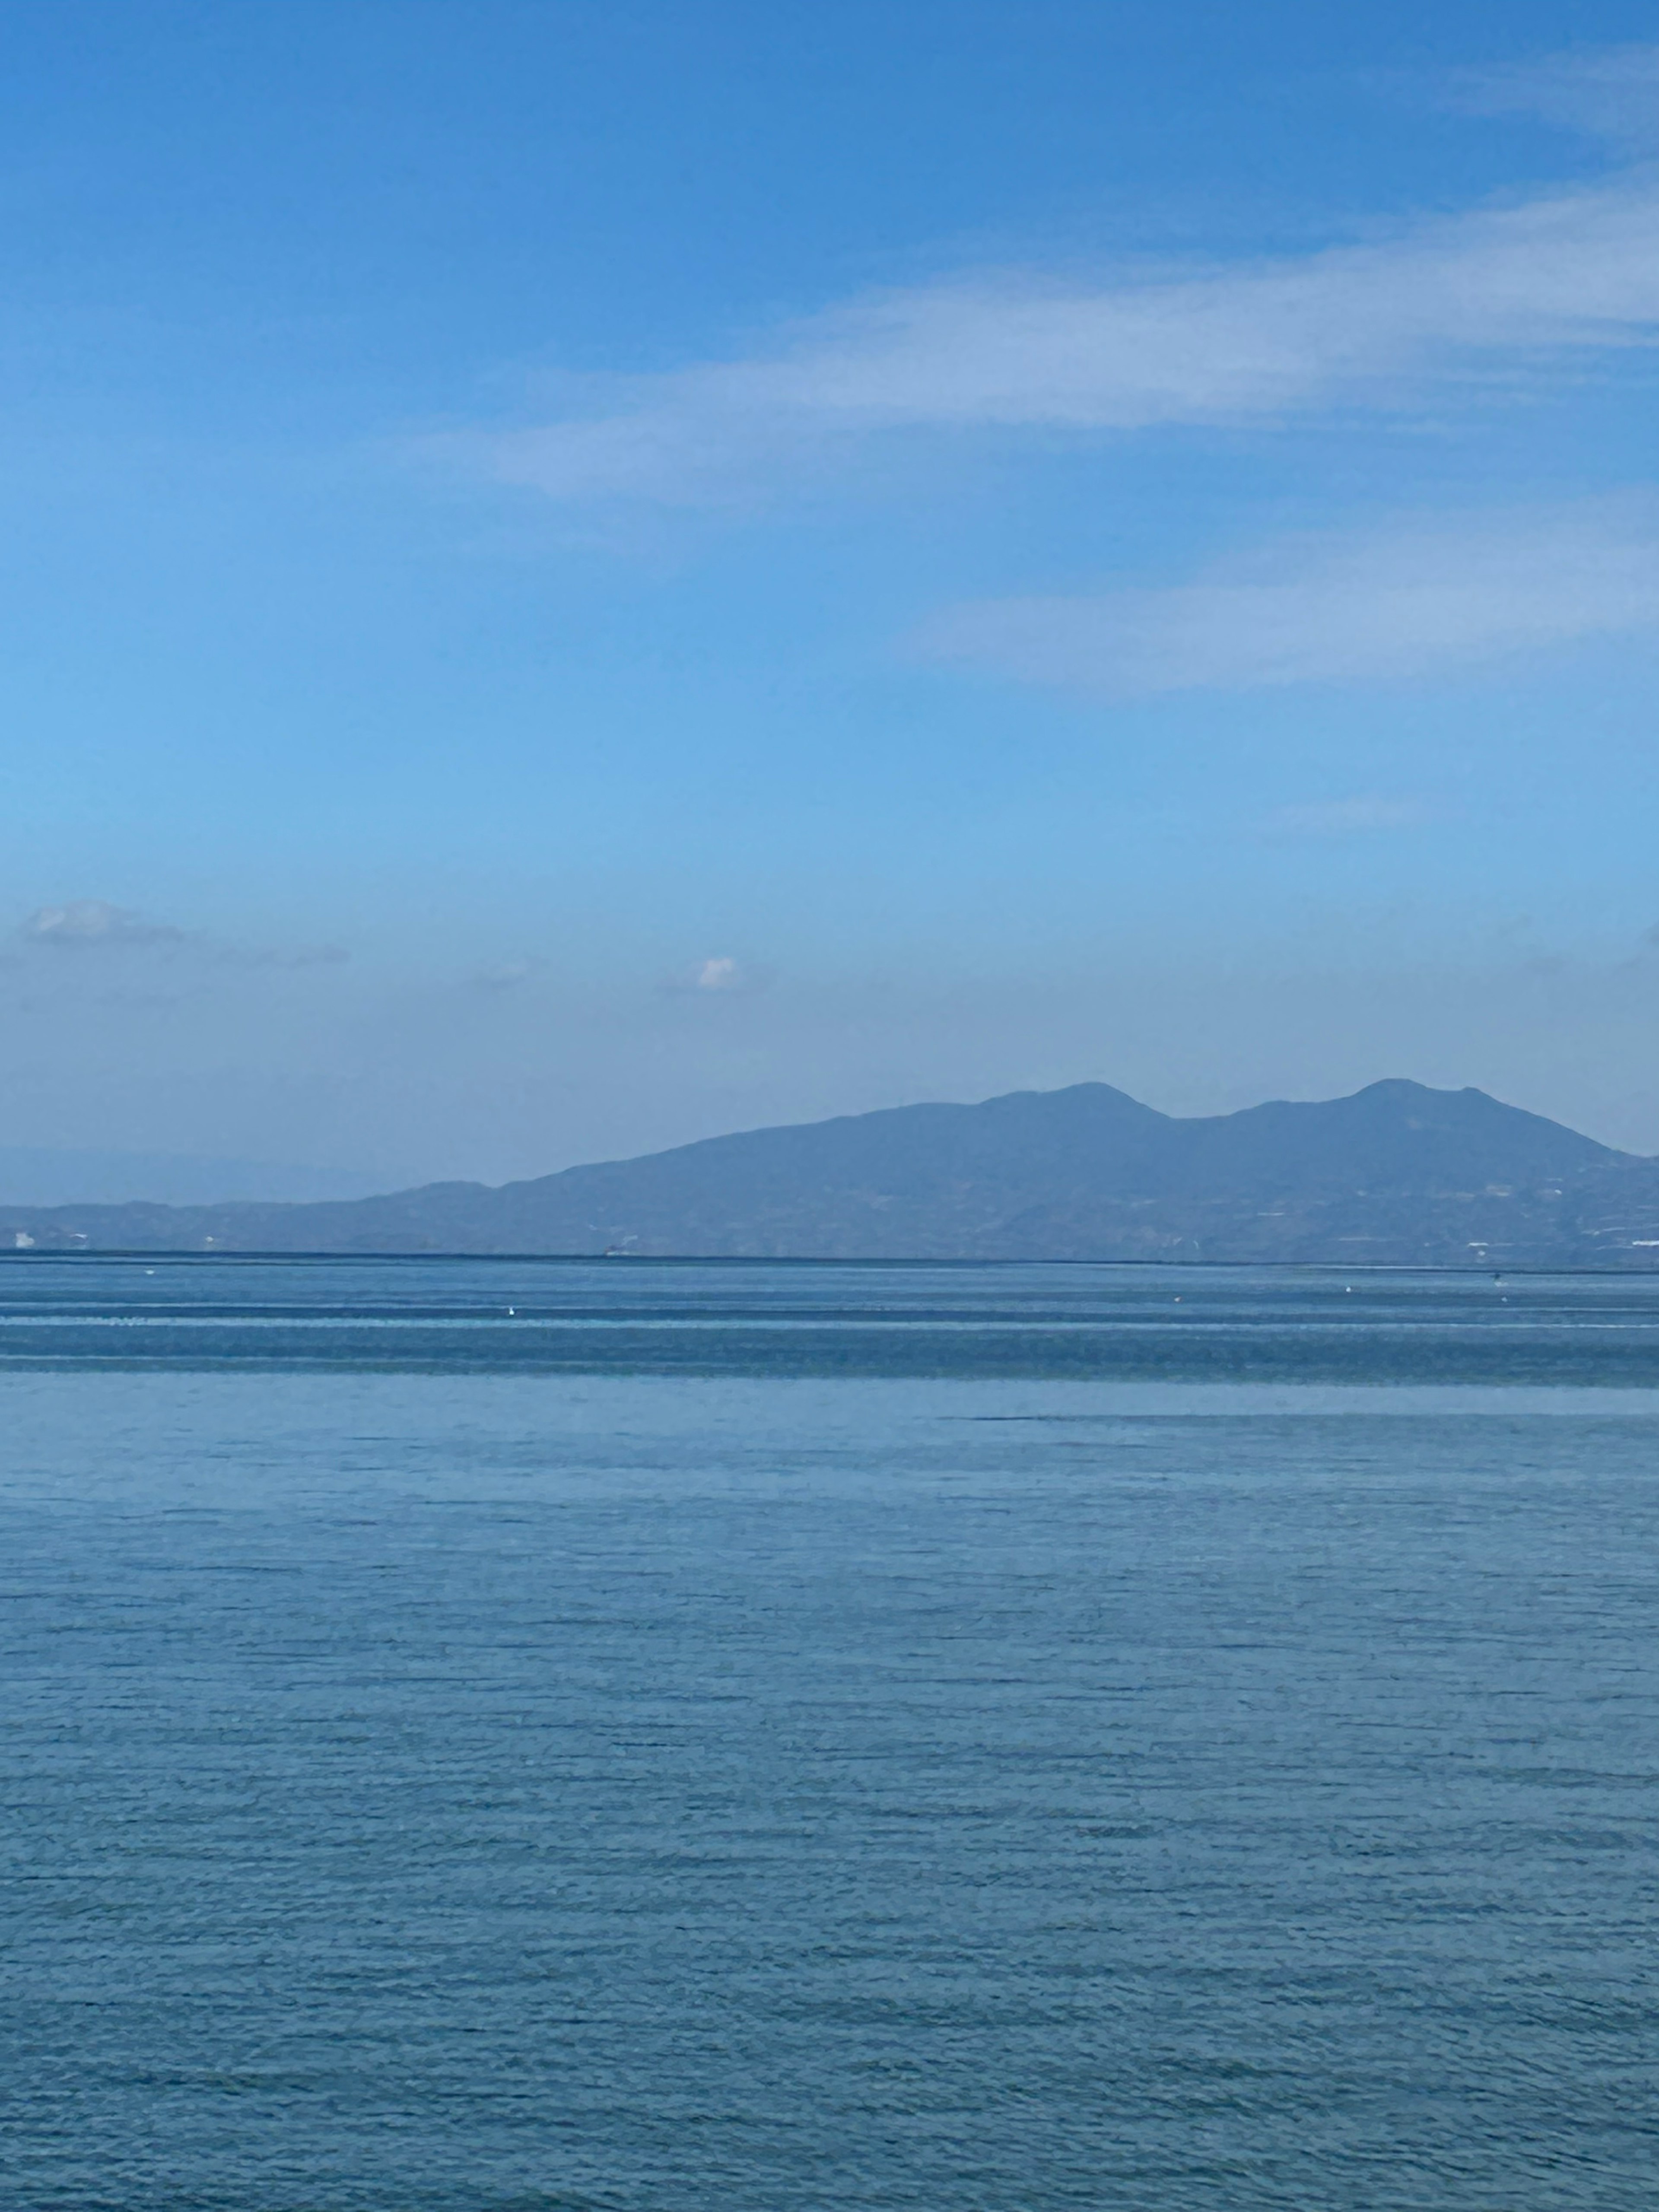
x=82 y=924
x=94 y=924
x=1413 y=599
x=505 y=974
x=1491 y=294
x=293 y=956
x=1609 y=92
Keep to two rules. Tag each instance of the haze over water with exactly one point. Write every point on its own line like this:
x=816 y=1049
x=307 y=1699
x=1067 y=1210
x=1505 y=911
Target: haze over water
x=688 y=1740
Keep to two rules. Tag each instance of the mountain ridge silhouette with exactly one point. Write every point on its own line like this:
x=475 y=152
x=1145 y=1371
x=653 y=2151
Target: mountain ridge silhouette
x=1395 y=1173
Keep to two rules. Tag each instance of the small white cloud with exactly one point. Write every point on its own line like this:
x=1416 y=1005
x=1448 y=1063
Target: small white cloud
x=1413 y=599
x=718 y=975
x=1344 y=817
x=505 y=974
x=82 y=923
x=298 y=955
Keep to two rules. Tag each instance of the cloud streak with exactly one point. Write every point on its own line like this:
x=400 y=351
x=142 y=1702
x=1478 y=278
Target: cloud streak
x=84 y=925
x=1610 y=92
x=1412 y=599
x=1492 y=295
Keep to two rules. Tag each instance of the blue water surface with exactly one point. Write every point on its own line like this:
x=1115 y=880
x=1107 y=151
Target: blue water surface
x=457 y=1761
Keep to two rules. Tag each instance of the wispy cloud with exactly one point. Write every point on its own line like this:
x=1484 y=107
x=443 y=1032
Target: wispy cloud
x=81 y=924
x=1493 y=294
x=279 y=956
x=98 y=925
x=505 y=974
x=1609 y=92
x=1412 y=599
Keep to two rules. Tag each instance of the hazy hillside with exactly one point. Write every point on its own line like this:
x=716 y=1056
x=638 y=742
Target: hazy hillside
x=1396 y=1173
x=43 y=1176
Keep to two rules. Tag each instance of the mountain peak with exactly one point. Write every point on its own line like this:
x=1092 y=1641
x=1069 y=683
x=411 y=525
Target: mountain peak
x=1397 y=1172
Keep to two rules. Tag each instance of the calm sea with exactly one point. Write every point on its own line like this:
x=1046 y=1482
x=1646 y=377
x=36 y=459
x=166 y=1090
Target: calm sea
x=748 y=1738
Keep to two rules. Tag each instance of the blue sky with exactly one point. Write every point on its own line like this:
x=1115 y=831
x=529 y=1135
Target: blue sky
x=581 y=575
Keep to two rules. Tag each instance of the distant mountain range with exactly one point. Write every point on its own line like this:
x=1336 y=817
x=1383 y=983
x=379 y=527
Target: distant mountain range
x=1396 y=1176
x=37 y=1174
